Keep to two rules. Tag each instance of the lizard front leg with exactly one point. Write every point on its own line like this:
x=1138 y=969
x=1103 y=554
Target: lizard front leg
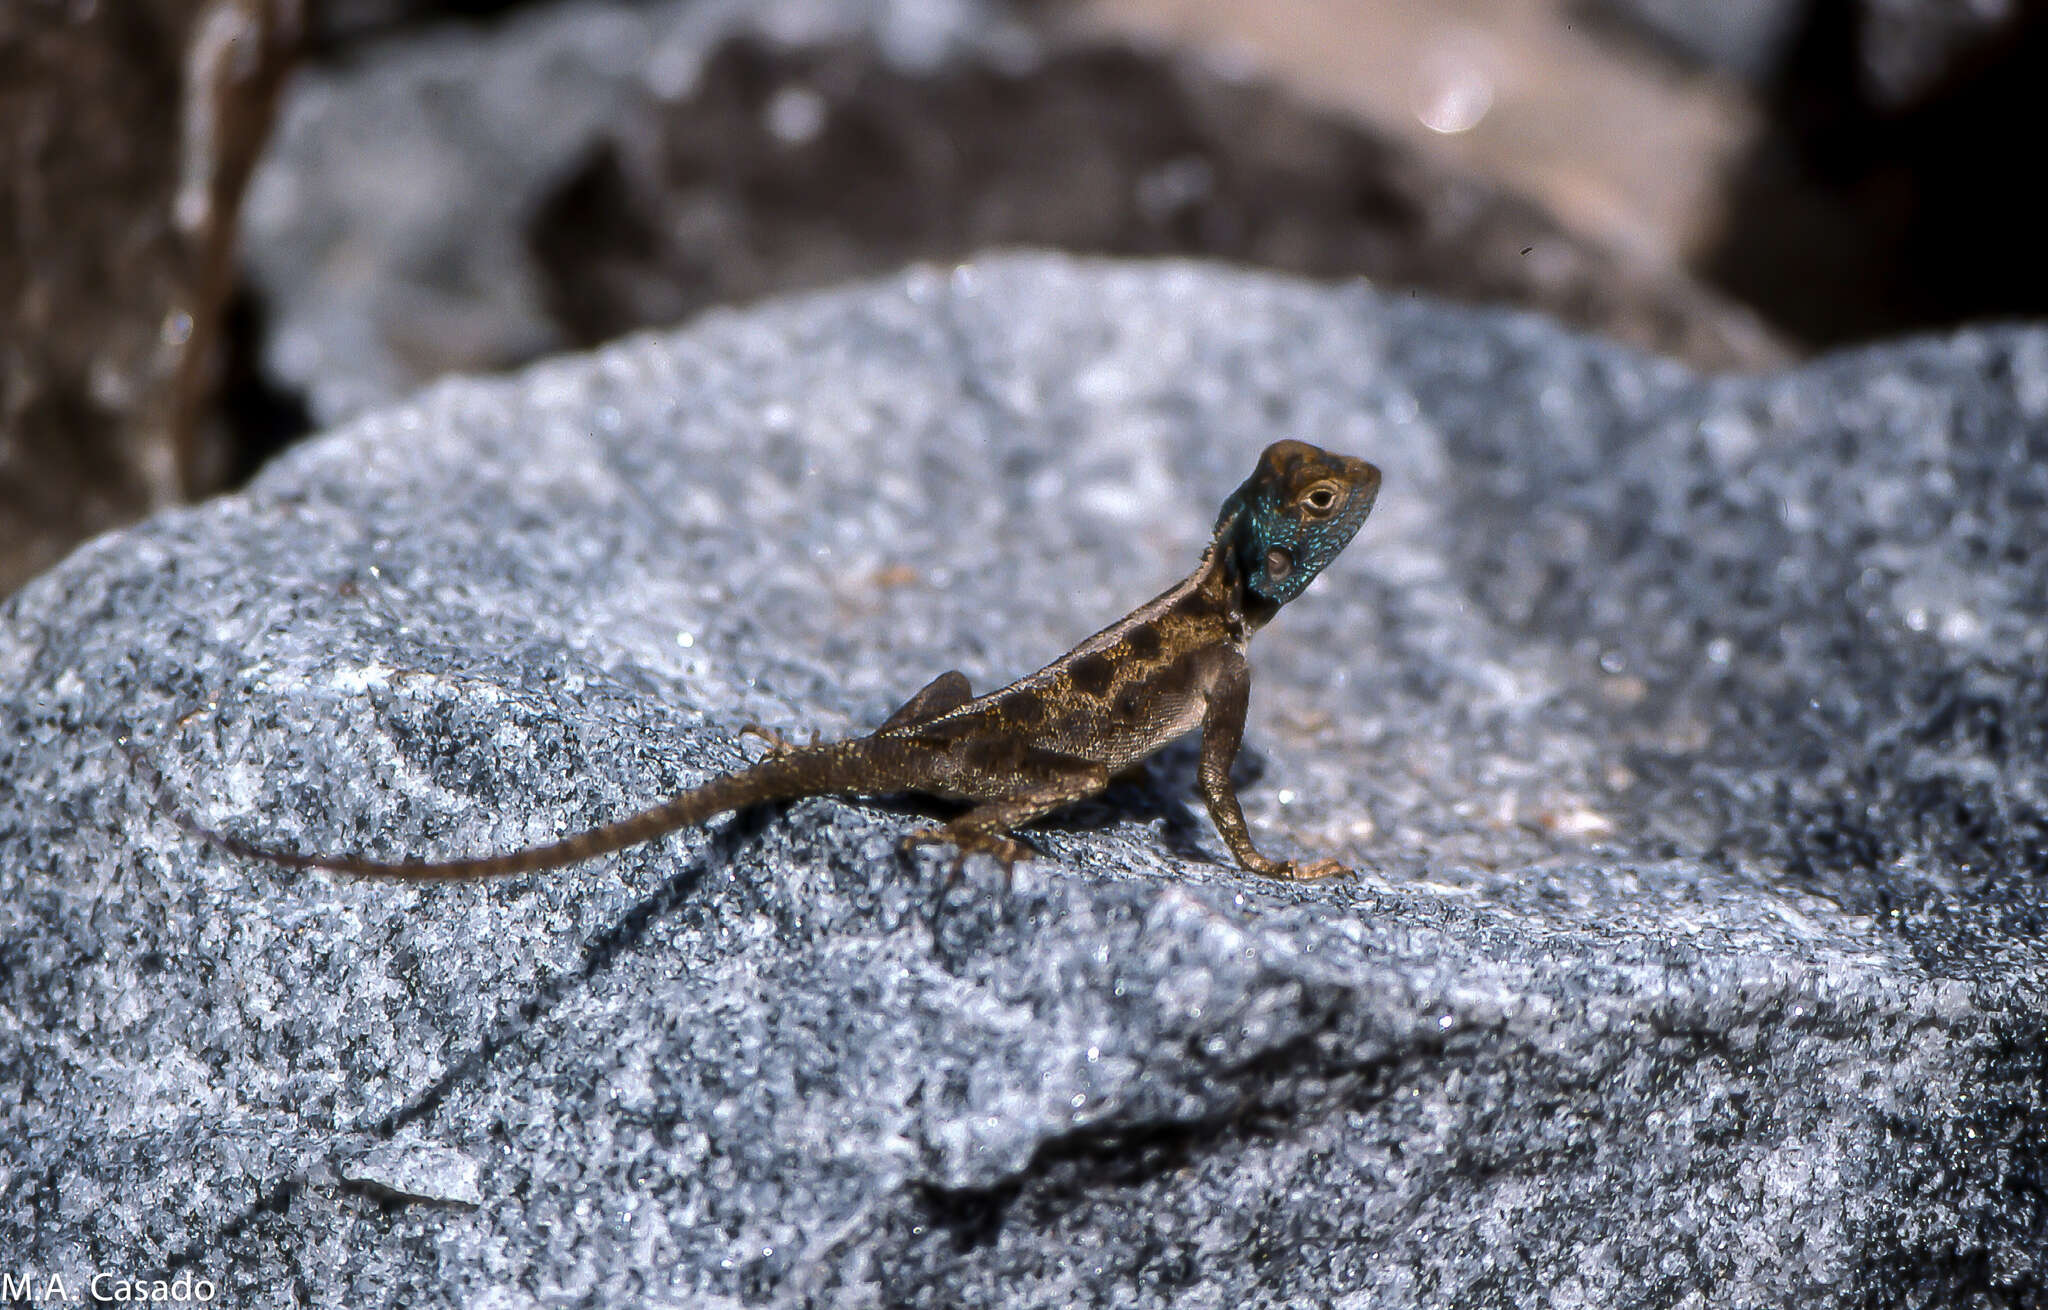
x=1222 y=730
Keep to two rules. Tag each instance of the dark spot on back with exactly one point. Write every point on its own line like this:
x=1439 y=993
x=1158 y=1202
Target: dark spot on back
x=1144 y=642
x=991 y=754
x=1092 y=674
x=1022 y=709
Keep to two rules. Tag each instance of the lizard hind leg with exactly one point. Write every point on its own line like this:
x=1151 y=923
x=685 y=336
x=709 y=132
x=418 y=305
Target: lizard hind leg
x=985 y=830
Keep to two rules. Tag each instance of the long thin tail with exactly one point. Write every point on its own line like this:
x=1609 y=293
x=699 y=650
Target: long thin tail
x=836 y=767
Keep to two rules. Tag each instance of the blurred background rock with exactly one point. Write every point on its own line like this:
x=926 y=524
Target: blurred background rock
x=127 y=131
x=461 y=185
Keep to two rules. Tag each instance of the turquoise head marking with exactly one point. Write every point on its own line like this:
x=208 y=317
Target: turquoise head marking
x=1299 y=507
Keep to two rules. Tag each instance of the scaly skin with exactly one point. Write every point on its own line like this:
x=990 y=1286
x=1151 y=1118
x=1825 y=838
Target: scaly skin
x=1045 y=741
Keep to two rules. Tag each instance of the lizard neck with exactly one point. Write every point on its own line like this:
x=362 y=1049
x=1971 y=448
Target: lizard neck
x=1219 y=581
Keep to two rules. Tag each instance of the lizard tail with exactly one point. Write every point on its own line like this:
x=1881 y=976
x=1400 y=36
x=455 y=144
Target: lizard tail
x=834 y=768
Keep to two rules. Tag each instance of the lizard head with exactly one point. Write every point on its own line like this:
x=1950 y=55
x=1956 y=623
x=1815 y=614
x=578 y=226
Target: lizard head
x=1292 y=515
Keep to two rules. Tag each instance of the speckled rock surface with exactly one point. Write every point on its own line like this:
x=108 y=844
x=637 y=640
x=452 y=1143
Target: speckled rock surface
x=1687 y=736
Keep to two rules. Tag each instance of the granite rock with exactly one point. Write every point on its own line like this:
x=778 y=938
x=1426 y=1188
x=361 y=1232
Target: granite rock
x=1747 y=37
x=792 y=168
x=468 y=197
x=1896 y=53
x=1685 y=733
x=386 y=228
x=127 y=132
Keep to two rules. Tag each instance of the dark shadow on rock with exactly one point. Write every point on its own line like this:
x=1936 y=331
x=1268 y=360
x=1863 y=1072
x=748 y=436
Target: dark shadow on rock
x=126 y=135
x=1878 y=203
x=261 y=416
x=786 y=169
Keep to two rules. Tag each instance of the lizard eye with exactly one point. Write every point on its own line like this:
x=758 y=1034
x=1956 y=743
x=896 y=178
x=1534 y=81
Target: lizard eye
x=1278 y=564
x=1320 y=499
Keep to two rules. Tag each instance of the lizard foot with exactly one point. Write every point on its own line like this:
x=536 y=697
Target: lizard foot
x=1310 y=870
x=964 y=844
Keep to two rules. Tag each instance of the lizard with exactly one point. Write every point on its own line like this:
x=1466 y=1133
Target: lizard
x=1172 y=665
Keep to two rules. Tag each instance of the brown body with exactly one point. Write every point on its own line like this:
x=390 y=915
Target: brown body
x=1054 y=737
